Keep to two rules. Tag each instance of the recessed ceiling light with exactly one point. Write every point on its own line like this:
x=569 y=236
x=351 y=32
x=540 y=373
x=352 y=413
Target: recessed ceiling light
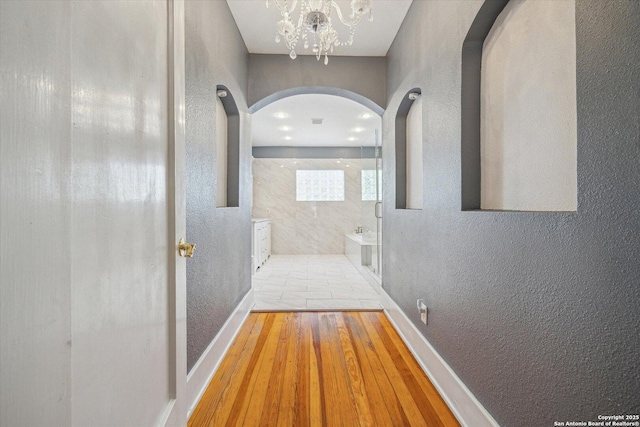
x=285 y=128
x=347 y=165
x=288 y=138
x=358 y=129
x=338 y=161
x=365 y=116
x=281 y=115
x=281 y=166
x=351 y=138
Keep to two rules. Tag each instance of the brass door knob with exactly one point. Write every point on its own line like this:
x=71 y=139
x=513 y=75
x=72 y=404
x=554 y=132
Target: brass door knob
x=186 y=249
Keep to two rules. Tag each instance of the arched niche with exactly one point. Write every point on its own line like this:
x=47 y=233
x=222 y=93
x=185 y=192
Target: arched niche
x=471 y=84
x=408 y=149
x=519 y=119
x=228 y=150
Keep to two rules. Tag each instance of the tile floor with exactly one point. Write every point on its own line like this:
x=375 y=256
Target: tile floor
x=312 y=282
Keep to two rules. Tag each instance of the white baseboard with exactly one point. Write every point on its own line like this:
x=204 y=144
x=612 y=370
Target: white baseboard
x=467 y=409
x=202 y=372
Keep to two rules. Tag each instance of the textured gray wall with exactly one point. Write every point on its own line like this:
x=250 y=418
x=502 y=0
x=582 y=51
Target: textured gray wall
x=365 y=76
x=219 y=275
x=536 y=312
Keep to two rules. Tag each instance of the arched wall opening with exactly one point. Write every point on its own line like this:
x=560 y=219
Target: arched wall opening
x=314 y=170
x=324 y=90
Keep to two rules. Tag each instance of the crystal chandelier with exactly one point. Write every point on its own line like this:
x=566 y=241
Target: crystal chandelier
x=315 y=26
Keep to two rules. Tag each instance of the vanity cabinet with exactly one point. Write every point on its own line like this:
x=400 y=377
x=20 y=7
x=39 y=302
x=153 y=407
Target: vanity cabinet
x=261 y=242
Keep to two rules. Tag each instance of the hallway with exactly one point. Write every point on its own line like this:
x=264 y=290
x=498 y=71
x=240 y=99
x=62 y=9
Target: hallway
x=312 y=282
x=500 y=199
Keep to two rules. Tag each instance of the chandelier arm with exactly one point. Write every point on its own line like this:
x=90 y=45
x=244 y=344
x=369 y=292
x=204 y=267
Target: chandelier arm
x=353 y=23
x=278 y=5
x=282 y=7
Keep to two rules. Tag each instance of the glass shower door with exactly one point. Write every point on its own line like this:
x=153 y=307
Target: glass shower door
x=372 y=204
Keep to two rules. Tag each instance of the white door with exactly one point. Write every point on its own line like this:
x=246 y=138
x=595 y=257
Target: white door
x=93 y=301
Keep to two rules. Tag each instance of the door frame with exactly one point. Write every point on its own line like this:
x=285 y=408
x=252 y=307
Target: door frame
x=175 y=412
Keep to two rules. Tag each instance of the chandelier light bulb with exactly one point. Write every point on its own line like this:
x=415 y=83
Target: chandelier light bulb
x=360 y=7
x=285 y=28
x=293 y=54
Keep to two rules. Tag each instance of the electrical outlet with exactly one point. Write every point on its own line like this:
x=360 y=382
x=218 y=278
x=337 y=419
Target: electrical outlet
x=422 y=309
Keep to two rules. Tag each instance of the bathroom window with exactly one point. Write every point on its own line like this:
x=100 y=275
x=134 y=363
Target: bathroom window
x=368 y=185
x=320 y=185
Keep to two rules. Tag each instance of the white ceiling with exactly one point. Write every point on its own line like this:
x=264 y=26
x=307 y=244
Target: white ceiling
x=257 y=24
x=346 y=123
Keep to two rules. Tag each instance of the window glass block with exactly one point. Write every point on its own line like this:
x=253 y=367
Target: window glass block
x=320 y=185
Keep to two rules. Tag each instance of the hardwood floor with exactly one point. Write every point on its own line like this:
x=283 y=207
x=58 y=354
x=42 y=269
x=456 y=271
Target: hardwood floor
x=320 y=369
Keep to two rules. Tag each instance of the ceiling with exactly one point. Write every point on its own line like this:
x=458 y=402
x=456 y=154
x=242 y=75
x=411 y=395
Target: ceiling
x=287 y=122
x=257 y=25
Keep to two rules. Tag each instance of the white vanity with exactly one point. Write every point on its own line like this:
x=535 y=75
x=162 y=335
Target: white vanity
x=260 y=242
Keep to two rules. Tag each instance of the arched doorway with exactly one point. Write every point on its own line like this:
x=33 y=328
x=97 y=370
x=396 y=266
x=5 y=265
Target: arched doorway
x=317 y=184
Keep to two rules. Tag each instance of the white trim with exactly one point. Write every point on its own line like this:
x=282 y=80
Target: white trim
x=467 y=409
x=174 y=412
x=202 y=372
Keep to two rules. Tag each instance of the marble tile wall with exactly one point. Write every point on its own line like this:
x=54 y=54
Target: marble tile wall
x=299 y=228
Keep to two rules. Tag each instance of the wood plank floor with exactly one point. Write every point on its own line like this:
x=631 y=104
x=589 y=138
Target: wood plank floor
x=320 y=369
